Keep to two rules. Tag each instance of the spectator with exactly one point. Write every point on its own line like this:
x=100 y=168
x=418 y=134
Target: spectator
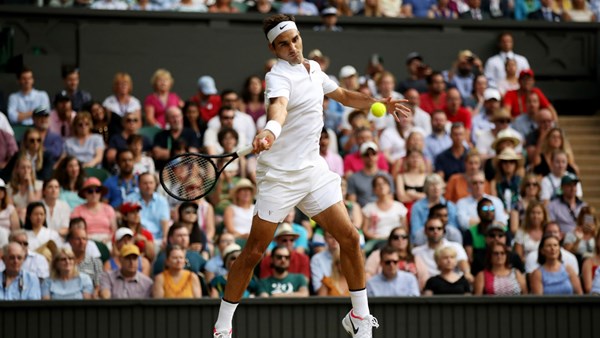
x=393 y=138
x=79 y=98
x=475 y=98
x=155 y=208
x=482 y=123
x=435 y=97
x=192 y=120
x=579 y=13
x=79 y=242
x=551 y=183
x=335 y=284
x=553 y=277
x=565 y=208
x=218 y=284
x=475 y=11
x=142 y=163
x=21 y=104
x=88 y=148
x=253 y=97
x=156 y=104
x=164 y=140
x=299 y=263
x=17 y=284
x=386 y=82
x=8 y=150
x=525 y=123
x=242 y=122
x=70 y=176
x=447 y=282
x=545 y=12
x=467 y=206
x=495 y=65
x=100 y=217
x=131 y=123
x=188 y=216
x=282 y=283
x=452 y=233
x=222 y=6
x=52 y=142
x=511 y=81
x=175 y=281
x=321 y=262
x=485 y=141
x=420 y=117
x=529 y=193
x=551 y=229
x=589 y=270
x=416 y=74
x=179 y=236
x=9 y=219
x=581 y=240
x=126 y=282
x=66 y=281
x=37 y=228
x=215 y=265
x=237 y=217
x=262 y=7
x=32 y=148
x=456 y=112
x=506 y=138
x=392 y=282
x=452 y=160
x=462 y=74
x=33 y=261
x=415 y=142
x=122 y=240
x=442 y=11
x=143 y=239
x=299 y=7
x=360 y=183
x=329 y=17
x=434 y=188
x=417 y=9
x=516 y=100
x=554 y=140
x=458 y=184
x=61 y=117
x=410 y=181
x=103 y=122
x=23 y=187
x=495 y=235
x=57 y=212
x=333 y=158
x=227 y=117
x=534 y=140
x=207 y=98
x=499 y=277
x=508 y=178
x=474 y=239
x=355 y=161
x=439 y=139
x=124 y=183
x=122 y=102
x=527 y=238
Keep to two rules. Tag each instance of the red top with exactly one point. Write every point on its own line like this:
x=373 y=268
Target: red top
x=428 y=105
x=353 y=163
x=462 y=115
x=209 y=108
x=512 y=99
x=159 y=108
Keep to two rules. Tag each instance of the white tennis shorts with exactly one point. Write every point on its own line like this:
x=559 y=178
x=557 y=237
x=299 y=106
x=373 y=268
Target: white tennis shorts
x=312 y=190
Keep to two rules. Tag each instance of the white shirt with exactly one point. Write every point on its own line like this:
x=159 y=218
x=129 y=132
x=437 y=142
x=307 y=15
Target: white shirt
x=391 y=142
x=43 y=236
x=551 y=184
x=297 y=147
x=568 y=258
x=385 y=220
x=467 y=208
x=61 y=215
x=242 y=123
x=485 y=138
x=5 y=125
x=495 y=66
x=111 y=103
x=426 y=254
x=34 y=263
x=422 y=119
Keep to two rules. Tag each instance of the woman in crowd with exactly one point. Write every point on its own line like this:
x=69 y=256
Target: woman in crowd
x=511 y=81
x=70 y=176
x=102 y=121
x=156 y=104
x=507 y=182
x=122 y=237
x=554 y=140
x=9 y=219
x=414 y=142
x=581 y=241
x=400 y=240
x=58 y=212
x=498 y=277
x=528 y=237
x=530 y=193
x=228 y=139
x=23 y=187
x=193 y=121
x=36 y=227
x=434 y=189
x=88 y=148
x=32 y=147
x=589 y=268
x=142 y=163
x=458 y=184
x=475 y=102
x=100 y=217
x=65 y=281
x=334 y=285
x=410 y=183
x=553 y=277
x=122 y=102
x=253 y=97
x=238 y=215
x=448 y=282
x=188 y=216
x=175 y=281
x=142 y=238
x=580 y=12
x=383 y=215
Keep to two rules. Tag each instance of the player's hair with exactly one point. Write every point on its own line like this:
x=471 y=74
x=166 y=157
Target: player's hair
x=274 y=20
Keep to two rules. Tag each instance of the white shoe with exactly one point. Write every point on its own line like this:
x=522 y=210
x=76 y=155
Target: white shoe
x=221 y=334
x=359 y=327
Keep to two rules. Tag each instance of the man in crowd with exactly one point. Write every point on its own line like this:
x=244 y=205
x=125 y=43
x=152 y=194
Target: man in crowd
x=496 y=233
x=525 y=123
x=124 y=183
x=92 y=266
x=359 y=184
x=565 y=208
x=468 y=215
x=242 y=122
x=501 y=119
x=320 y=263
x=452 y=160
x=452 y=234
x=298 y=262
x=79 y=98
x=416 y=74
x=17 y=284
x=131 y=123
x=21 y=104
x=435 y=97
x=515 y=101
x=354 y=161
x=495 y=66
x=155 y=208
x=474 y=240
x=207 y=98
x=166 y=139
x=61 y=117
x=439 y=139
x=226 y=118
x=33 y=262
x=282 y=283
x=128 y=281
x=392 y=282
x=456 y=112
x=421 y=118
x=482 y=122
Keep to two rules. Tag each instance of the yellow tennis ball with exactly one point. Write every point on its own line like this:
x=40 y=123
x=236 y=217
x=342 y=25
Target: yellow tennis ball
x=378 y=109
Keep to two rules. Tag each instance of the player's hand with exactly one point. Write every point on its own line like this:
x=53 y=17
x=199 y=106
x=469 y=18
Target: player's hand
x=397 y=106
x=263 y=141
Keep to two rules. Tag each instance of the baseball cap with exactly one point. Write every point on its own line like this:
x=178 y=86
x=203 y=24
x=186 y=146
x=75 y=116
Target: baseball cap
x=207 y=85
x=40 y=111
x=413 y=55
x=368 y=145
x=347 y=71
x=569 y=178
x=495 y=226
x=315 y=53
x=285 y=229
x=61 y=97
x=329 y=11
x=130 y=249
x=122 y=232
x=491 y=94
x=526 y=72
x=128 y=207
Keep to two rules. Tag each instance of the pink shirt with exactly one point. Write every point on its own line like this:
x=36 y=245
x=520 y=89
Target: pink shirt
x=160 y=109
x=335 y=162
x=58 y=126
x=353 y=162
x=98 y=222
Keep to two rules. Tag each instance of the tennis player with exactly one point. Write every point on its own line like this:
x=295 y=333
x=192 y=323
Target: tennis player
x=290 y=172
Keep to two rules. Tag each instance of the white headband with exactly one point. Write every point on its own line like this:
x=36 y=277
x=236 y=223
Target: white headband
x=280 y=28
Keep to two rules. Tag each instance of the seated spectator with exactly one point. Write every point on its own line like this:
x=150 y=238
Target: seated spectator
x=525 y=123
x=467 y=206
x=58 y=212
x=508 y=178
x=456 y=112
x=416 y=69
x=21 y=104
x=447 y=282
x=589 y=269
x=515 y=101
x=499 y=277
x=461 y=76
x=334 y=285
x=262 y=7
x=104 y=123
x=435 y=97
x=482 y=123
x=37 y=229
x=399 y=240
x=9 y=219
x=579 y=13
x=386 y=83
x=131 y=124
x=142 y=238
x=156 y=104
x=220 y=6
x=565 y=208
x=7 y=152
x=34 y=262
x=360 y=187
x=458 y=184
x=486 y=140
x=253 y=95
x=529 y=193
x=237 y=217
x=79 y=97
x=355 y=130
x=142 y=163
x=33 y=149
x=124 y=183
x=433 y=187
x=551 y=229
x=553 y=277
x=61 y=117
x=66 y=281
x=299 y=7
x=87 y=264
x=70 y=176
x=415 y=142
x=417 y=9
x=545 y=12
x=23 y=187
x=122 y=102
x=527 y=237
x=393 y=138
x=496 y=235
x=193 y=121
x=88 y=148
x=544 y=123
x=124 y=238
x=188 y=216
x=421 y=118
x=410 y=181
x=100 y=217
x=329 y=18
x=299 y=263
x=164 y=140
x=551 y=183
x=452 y=160
x=475 y=99
x=126 y=282
x=439 y=139
x=321 y=262
x=155 y=208
x=206 y=98
x=475 y=11
x=580 y=241
x=333 y=158
x=17 y=284
x=511 y=81
x=392 y=282
x=218 y=284
x=215 y=265
x=474 y=239
x=228 y=142
x=175 y=281
x=179 y=236
x=555 y=140
x=354 y=161
x=441 y=10
x=282 y=283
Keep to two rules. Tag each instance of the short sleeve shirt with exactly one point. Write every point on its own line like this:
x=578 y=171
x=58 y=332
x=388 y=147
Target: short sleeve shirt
x=291 y=283
x=84 y=152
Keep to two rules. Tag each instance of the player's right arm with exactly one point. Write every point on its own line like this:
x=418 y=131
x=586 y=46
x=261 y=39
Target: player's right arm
x=276 y=112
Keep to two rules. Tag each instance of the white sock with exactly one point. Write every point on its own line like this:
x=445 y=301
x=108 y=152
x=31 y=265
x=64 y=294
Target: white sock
x=360 y=304
x=225 y=317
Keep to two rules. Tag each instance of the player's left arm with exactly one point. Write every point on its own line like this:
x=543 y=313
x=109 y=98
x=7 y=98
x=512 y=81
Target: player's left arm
x=363 y=101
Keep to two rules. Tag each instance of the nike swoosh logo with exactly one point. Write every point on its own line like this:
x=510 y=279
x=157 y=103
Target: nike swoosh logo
x=353 y=328
x=282 y=27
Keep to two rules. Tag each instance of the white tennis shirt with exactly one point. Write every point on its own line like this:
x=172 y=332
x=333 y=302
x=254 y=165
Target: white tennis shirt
x=297 y=147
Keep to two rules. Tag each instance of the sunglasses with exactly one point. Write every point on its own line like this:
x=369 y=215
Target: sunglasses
x=24 y=243
x=531 y=184
x=34 y=140
x=287 y=240
x=96 y=190
x=397 y=237
x=478 y=182
x=499 y=253
x=280 y=257
x=435 y=228
x=390 y=262
x=131 y=120
x=488 y=208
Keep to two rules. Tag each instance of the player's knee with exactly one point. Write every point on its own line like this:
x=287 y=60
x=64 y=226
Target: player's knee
x=350 y=239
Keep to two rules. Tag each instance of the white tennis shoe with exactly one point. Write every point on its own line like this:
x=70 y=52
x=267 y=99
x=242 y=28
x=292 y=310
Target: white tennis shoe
x=221 y=334
x=359 y=327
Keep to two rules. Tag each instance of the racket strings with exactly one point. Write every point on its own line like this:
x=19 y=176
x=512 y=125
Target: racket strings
x=189 y=177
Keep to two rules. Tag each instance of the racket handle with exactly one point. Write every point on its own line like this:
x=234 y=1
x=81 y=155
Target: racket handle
x=245 y=150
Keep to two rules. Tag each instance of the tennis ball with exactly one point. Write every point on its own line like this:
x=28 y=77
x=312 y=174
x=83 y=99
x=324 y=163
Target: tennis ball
x=378 y=109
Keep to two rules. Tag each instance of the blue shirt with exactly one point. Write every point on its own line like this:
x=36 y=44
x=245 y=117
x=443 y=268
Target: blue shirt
x=556 y=283
x=25 y=287
x=20 y=103
x=420 y=212
x=215 y=265
x=152 y=213
x=73 y=288
x=435 y=144
x=118 y=189
x=53 y=144
x=419 y=7
x=448 y=164
x=467 y=209
x=71 y=197
x=403 y=284
x=305 y=8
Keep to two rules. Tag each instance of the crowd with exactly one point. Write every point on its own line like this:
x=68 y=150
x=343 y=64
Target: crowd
x=542 y=10
x=475 y=192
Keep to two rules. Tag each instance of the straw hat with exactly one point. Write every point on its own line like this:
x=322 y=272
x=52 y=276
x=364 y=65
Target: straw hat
x=48 y=250
x=508 y=154
x=506 y=134
x=285 y=229
x=92 y=182
x=243 y=183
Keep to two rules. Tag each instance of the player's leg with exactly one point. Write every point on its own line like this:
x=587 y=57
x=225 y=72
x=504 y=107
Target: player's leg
x=241 y=272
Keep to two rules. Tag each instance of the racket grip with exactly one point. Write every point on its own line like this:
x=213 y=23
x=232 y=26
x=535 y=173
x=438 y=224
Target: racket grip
x=245 y=150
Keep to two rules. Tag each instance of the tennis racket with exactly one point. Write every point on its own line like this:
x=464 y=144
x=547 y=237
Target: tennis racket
x=191 y=176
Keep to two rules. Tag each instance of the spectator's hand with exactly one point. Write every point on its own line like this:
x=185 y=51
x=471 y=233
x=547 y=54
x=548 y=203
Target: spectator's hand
x=469 y=277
